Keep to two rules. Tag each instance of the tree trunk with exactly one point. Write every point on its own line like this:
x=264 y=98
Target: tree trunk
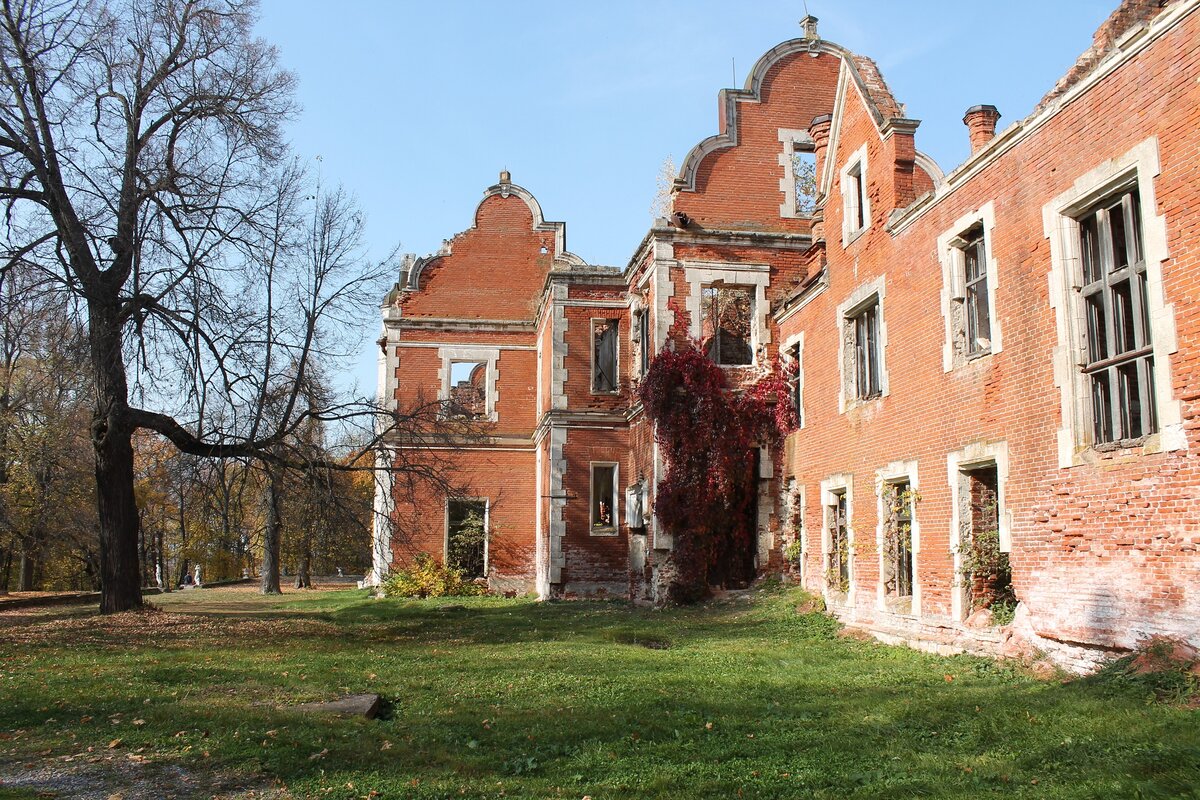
x=160 y=555
x=25 y=570
x=271 y=536
x=5 y=569
x=303 y=579
x=112 y=442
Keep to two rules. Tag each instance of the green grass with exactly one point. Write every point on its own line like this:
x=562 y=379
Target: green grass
x=519 y=699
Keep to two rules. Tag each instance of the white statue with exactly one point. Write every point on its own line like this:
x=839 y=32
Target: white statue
x=197 y=581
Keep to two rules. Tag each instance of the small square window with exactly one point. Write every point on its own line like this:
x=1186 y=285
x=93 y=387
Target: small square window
x=468 y=390
x=727 y=314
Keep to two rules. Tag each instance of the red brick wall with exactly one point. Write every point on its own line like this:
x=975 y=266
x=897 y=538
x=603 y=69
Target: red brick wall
x=1103 y=553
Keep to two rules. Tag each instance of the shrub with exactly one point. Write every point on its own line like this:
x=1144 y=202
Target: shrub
x=429 y=578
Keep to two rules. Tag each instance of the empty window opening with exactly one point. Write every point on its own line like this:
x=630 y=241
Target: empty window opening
x=1119 y=359
x=468 y=390
x=643 y=333
x=898 y=501
x=604 y=496
x=984 y=567
x=857 y=212
x=793 y=548
x=978 y=322
x=804 y=172
x=837 y=556
x=725 y=328
x=797 y=386
x=863 y=328
x=466 y=537
x=604 y=355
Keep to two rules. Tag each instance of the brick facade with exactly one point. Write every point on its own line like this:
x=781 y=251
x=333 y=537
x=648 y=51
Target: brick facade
x=983 y=369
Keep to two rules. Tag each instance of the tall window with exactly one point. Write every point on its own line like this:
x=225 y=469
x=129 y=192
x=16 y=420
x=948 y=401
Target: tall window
x=864 y=328
x=604 y=355
x=727 y=313
x=797 y=385
x=856 y=195
x=978 y=313
x=1119 y=354
x=837 y=557
x=604 y=497
x=804 y=171
x=466 y=537
x=897 y=555
x=643 y=341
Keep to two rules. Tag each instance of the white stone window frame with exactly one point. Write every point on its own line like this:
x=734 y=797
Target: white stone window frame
x=853 y=182
x=952 y=257
x=1136 y=170
x=830 y=488
x=607 y=530
x=617 y=358
x=758 y=276
x=891 y=474
x=859 y=299
x=790 y=345
x=979 y=455
x=793 y=141
x=467 y=354
x=641 y=337
x=487 y=528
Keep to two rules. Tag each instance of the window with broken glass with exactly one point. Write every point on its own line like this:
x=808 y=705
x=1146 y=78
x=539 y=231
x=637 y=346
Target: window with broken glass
x=726 y=316
x=837 y=557
x=643 y=341
x=1119 y=356
x=863 y=329
x=797 y=387
x=897 y=546
x=604 y=355
x=978 y=312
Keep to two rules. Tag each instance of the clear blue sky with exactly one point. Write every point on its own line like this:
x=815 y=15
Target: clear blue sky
x=416 y=106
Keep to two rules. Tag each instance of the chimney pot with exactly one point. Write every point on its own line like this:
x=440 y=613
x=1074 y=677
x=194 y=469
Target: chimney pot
x=981 y=125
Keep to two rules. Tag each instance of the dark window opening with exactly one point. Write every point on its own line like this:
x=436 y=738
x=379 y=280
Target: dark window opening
x=797 y=386
x=604 y=496
x=837 y=558
x=1119 y=353
x=466 y=540
x=858 y=199
x=865 y=331
x=726 y=317
x=604 y=355
x=978 y=312
x=468 y=390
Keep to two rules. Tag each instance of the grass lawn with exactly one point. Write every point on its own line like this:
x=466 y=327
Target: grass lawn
x=512 y=698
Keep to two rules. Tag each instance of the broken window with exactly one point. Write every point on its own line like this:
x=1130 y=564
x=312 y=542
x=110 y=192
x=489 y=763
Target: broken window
x=897 y=545
x=864 y=331
x=984 y=566
x=468 y=390
x=466 y=537
x=604 y=496
x=726 y=317
x=804 y=172
x=978 y=331
x=837 y=555
x=1119 y=360
x=604 y=355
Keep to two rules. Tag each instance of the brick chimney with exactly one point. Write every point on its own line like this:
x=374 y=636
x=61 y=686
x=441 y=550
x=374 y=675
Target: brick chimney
x=981 y=123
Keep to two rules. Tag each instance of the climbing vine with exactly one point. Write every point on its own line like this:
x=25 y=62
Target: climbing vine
x=707 y=434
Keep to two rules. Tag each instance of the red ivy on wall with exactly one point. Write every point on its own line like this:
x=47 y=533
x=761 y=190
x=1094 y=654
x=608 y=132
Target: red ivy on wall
x=708 y=434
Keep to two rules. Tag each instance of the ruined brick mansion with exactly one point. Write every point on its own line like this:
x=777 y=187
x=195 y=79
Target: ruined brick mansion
x=996 y=368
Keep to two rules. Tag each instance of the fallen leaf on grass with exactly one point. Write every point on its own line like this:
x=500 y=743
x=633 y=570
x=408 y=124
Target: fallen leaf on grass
x=114 y=744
